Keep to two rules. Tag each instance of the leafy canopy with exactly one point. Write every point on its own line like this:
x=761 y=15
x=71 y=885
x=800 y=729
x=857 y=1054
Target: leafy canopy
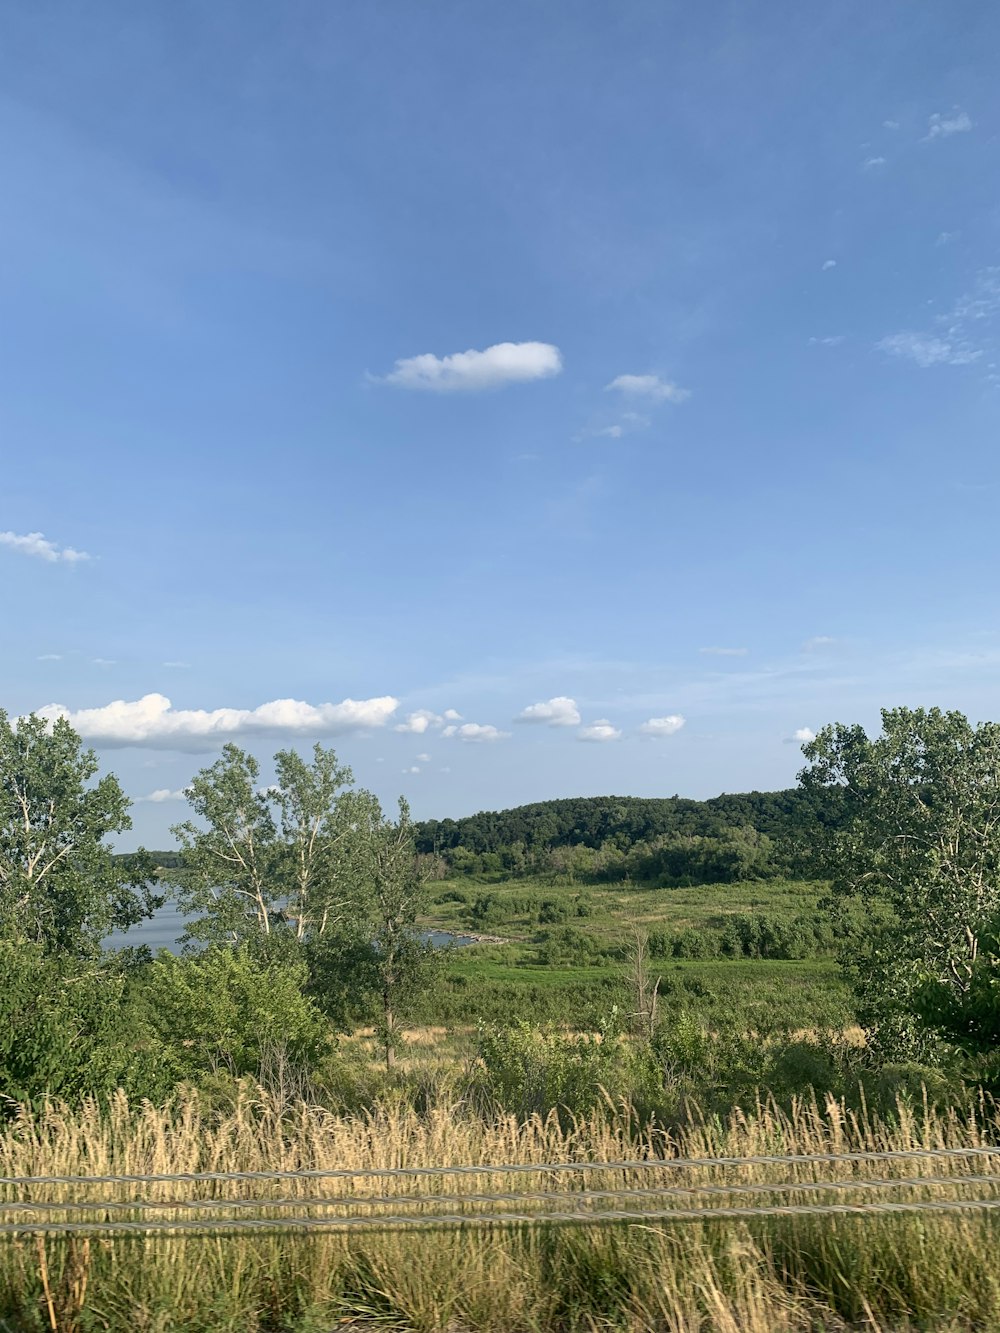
x=60 y=886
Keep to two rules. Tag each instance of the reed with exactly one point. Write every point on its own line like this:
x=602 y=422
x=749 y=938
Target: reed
x=775 y=1274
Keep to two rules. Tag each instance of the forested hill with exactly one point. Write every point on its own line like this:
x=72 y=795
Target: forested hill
x=593 y=821
x=742 y=835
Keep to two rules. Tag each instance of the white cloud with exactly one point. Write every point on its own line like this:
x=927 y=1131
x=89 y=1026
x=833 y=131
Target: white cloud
x=153 y=721
x=503 y=363
x=419 y=722
x=942 y=126
x=650 y=386
x=724 y=652
x=946 y=237
x=834 y=340
x=614 y=432
x=479 y=733
x=49 y=657
x=601 y=730
x=890 y=124
x=804 y=735
x=818 y=641
x=184 y=666
x=557 y=712
x=450 y=715
x=662 y=726
x=38 y=545
x=161 y=794
x=414 y=768
x=927 y=350
x=103 y=661
x=828 y=264
x=870 y=163
x=423 y=759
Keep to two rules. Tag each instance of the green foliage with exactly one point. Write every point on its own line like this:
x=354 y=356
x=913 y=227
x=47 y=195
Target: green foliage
x=227 y=1009
x=68 y=1029
x=60 y=885
x=915 y=854
x=530 y=1071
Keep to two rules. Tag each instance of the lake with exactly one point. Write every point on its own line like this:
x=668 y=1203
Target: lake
x=165 y=927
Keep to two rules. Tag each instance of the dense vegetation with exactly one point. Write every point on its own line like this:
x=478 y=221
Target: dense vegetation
x=640 y=965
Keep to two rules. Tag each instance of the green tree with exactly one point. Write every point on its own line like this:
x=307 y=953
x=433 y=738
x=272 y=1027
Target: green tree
x=60 y=885
x=912 y=848
x=232 y=864
x=321 y=823
x=400 y=959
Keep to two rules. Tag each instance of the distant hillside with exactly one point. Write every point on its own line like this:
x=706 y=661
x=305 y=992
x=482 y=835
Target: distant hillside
x=593 y=821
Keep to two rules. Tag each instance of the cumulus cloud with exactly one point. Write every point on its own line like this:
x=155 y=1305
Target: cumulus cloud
x=803 y=735
x=942 y=126
x=925 y=349
x=39 y=546
x=662 y=726
x=829 y=264
x=476 y=732
x=161 y=794
x=420 y=721
x=724 y=652
x=153 y=721
x=557 y=712
x=601 y=730
x=503 y=363
x=649 y=386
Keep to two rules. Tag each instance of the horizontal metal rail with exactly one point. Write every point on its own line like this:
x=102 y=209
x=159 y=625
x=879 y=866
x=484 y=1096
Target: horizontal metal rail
x=860 y=1183
x=393 y=1222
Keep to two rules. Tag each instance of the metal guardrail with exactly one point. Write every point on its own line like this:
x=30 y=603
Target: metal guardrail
x=316 y=1212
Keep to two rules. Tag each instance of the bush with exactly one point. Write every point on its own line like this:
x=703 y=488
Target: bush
x=225 y=1009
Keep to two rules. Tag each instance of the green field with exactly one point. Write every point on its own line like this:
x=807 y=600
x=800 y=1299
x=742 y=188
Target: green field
x=563 y=955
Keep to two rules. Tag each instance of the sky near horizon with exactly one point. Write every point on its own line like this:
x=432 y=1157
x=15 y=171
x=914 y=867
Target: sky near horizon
x=529 y=400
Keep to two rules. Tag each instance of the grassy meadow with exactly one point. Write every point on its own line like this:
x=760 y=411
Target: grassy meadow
x=761 y=1275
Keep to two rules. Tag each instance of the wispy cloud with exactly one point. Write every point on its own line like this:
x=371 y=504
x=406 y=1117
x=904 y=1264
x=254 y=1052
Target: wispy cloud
x=872 y=163
x=103 y=661
x=832 y=340
x=153 y=721
x=724 y=652
x=160 y=795
x=476 y=732
x=946 y=238
x=818 y=641
x=829 y=264
x=49 y=657
x=558 y=712
x=601 y=730
x=925 y=349
x=662 y=726
x=492 y=368
x=942 y=125
x=890 y=124
x=38 y=545
x=180 y=666
x=650 y=386
x=983 y=300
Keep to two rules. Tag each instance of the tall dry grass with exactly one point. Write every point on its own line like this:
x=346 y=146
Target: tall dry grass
x=781 y=1274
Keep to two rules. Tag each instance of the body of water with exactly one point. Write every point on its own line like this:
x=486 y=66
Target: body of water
x=163 y=930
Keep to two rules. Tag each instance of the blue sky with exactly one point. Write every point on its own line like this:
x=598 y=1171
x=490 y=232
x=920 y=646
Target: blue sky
x=544 y=399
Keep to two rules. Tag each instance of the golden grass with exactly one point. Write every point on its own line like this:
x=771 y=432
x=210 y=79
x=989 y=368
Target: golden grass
x=786 y=1275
